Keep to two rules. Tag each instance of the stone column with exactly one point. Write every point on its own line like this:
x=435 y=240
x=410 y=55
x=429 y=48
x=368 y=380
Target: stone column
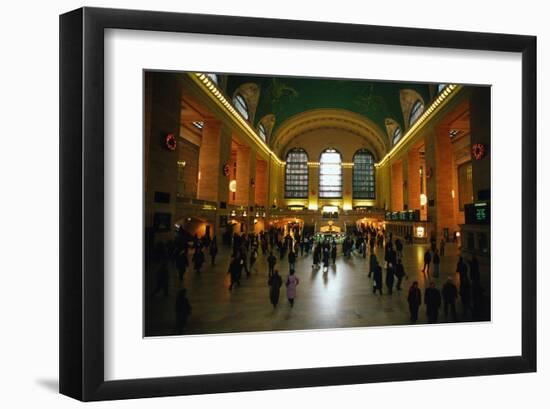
x=480 y=132
x=313 y=186
x=405 y=164
x=162 y=117
x=242 y=197
x=209 y=161
x=444 y=184
x=397 y=186
x=261 y=183
x=413 y=182
x=430 y=168
x=347 y=186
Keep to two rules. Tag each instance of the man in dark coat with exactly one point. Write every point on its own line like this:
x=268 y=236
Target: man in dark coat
x=198 y=259
x=377 y=277
x=432 y=299
x=449 y=293
x=235 y=268
x=271 y=261
x=291 y=260
x=427 y=261
x=399 y=273
x=274 y=282
x=414 y=299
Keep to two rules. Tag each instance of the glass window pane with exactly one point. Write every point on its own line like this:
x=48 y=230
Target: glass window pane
x=296 y=174
x=240 y=105
x=417 y=110
x=363 y=175
x=330 y=174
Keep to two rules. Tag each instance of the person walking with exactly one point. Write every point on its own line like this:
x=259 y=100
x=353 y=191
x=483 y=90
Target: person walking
x=373 y=261
x=183 y=310
x=450 y=294
x=291 y=260
x=427 y=261
x=399 y=248
x=274 y=282
x=442 y=247
x=399 y=273
x=414 y=298
x=213 y=249
x=432 y=299
x=198 y=259
x=333 y=253
x=325 y=259
x=253 y=257
x=235 y=268
x=271 y=261
x=291 y=284
x=436 y=261
x=377 y=279
x=390 y=273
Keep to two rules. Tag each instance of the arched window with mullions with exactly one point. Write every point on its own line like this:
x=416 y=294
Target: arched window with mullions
x=240 y=105
x=363 y=175
x=262 y=131
x=296 y=174
x=416 y=111
x=213 y=78
x=396 y=135
x=330 y=174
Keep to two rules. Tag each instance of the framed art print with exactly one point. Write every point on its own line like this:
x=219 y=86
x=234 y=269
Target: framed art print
x=256 y=204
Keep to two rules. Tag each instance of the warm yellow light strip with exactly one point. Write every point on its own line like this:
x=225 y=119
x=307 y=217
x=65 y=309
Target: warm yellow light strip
x=211 y=89
x=437 y=104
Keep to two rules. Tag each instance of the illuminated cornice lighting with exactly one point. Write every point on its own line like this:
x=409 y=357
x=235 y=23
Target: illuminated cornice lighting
x=449 y=90
x=208 y=85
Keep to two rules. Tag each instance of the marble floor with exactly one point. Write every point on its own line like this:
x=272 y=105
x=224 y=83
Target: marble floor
x=341 y=297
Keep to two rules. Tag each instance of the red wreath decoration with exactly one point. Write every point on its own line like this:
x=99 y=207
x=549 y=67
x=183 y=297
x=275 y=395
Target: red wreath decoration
x=226 y=169
x=170 y=142
x=313 y=191
x=478 y=151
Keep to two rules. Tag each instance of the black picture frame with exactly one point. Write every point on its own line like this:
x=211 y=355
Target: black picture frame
x=82 y=213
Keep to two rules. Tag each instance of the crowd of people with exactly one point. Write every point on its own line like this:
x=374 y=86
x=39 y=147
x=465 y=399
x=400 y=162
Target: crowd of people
x=289 y=244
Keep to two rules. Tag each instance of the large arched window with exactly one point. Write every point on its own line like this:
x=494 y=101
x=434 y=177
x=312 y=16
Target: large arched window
x=416 y=111
x=363 y=175
x=396 y=135
x=330 y=174
x=296 y=174
x=240 y=104
x=262 y=131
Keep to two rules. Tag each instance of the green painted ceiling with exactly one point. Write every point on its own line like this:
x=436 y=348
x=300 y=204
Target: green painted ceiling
x=288 y=96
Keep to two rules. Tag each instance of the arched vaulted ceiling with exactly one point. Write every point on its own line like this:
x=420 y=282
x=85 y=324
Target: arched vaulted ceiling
x=288 y=97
